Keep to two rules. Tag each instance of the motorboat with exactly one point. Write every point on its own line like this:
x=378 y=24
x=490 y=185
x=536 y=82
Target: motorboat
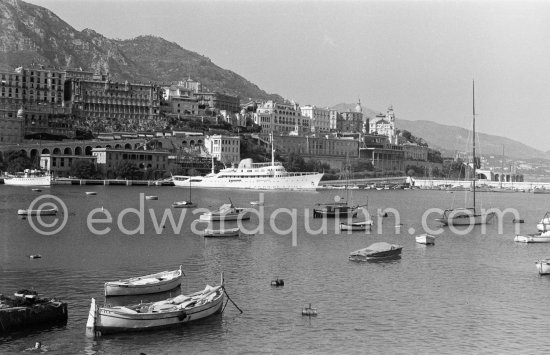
x=142 y=285
x=91 y=193
x=260 y=176
x=228 y=232
x=29 y=178
x=356 y=226
x=42 y=212
x=151 y=197
x=227 y=212
x=257 y=203
x=427 y=239
x=543 y=237
x=155 y=315
x=544 y=223
x=376 y=251
x=183 y=204
x=543 y=266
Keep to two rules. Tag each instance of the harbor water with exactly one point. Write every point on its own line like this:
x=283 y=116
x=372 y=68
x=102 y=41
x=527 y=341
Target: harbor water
x=470 y=293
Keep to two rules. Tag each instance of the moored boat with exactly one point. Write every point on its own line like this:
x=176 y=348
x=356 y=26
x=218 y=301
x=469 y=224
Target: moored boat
x=29 y=178
x=356 y=226
x=228 y=232
x=543 y=266
x=42 y=212
x=227 y=212
x=141 y=285
x=544 y=223
x=425 y=239
x=154 y=315
x=183 y=204
x=543 y=237
x=335 y=210
x=91 y=193
x=27 y=310
x=376 y=251
x=151 y=197
x=249 y=175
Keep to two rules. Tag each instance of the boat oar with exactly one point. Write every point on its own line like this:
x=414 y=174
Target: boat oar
x=229 y=298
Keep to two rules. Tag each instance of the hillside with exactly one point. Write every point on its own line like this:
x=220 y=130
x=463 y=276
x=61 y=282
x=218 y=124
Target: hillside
x=34 y=35
x=449 y=139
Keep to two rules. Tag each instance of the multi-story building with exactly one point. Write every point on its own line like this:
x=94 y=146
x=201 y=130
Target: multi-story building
x=384 y=125
x=11 y=125
x=59 y=165
x=319 y=118
x=218 y=101
x=335 y=118
x=281 y=117
x=179 y=100
x=226 y=149
x=415 y=152
x=147 y=161
x=382 y=153
x=133 y=107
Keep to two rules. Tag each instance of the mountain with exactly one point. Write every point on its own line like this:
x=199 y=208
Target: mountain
x=34 y=35
x=449 y=139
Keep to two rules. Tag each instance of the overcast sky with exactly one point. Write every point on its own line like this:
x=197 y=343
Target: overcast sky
x=419 y=56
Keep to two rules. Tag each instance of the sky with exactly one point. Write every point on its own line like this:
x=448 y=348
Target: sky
x=418 y=56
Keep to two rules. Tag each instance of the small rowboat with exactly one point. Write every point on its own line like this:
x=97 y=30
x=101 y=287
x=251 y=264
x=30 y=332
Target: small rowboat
x=356 y=226
x=257 y=203
x=151 y=197
x=425 y=239
x=42 y=212
x=155 y=315
x=543 y=266
x=228 y=232
x=91 y=193
x=142 y=285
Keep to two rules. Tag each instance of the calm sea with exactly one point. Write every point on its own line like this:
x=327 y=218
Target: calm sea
x=468 y=294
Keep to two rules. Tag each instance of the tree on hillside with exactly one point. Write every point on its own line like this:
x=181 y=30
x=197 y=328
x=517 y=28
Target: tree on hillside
x=16 y=161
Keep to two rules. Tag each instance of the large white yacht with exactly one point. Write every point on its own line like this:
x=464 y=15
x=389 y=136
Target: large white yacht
x=29 y=178
x=249 y=175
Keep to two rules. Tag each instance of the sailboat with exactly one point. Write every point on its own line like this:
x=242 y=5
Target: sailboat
x=185 y=204
x=340 y=207
x=468 y=216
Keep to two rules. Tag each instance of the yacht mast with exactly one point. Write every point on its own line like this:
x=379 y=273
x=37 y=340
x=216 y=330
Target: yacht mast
x=474 y=142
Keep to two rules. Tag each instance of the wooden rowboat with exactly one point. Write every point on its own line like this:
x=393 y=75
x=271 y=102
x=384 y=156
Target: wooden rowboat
x=228 y=232
x=142 y=285
x=42 y=212
x=154 y=315
x=356 y=226
x=425 y=239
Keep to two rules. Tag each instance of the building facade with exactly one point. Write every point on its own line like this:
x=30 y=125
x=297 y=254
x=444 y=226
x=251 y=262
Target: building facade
x=218 y=101
x=281 y=117
x=227 y=149
x=59 y=165
x=152 y=164
x=384 y=125
x=11 y=125
x=319 y=118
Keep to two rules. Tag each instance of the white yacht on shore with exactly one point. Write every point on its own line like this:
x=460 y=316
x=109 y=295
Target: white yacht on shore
x=29 y=178
x=259 y=176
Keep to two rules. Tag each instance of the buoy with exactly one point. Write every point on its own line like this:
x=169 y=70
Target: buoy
x=35 y=256
x=308 y=311
x=277 y=282
x=518 y=220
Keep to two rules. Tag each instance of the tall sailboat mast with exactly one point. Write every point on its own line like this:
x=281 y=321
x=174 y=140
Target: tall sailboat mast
x=474 y=142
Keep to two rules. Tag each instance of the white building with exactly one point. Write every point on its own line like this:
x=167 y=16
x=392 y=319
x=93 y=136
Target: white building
x=320 y=118
x=276 y=117
x=384 y=125
x=226 y=149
